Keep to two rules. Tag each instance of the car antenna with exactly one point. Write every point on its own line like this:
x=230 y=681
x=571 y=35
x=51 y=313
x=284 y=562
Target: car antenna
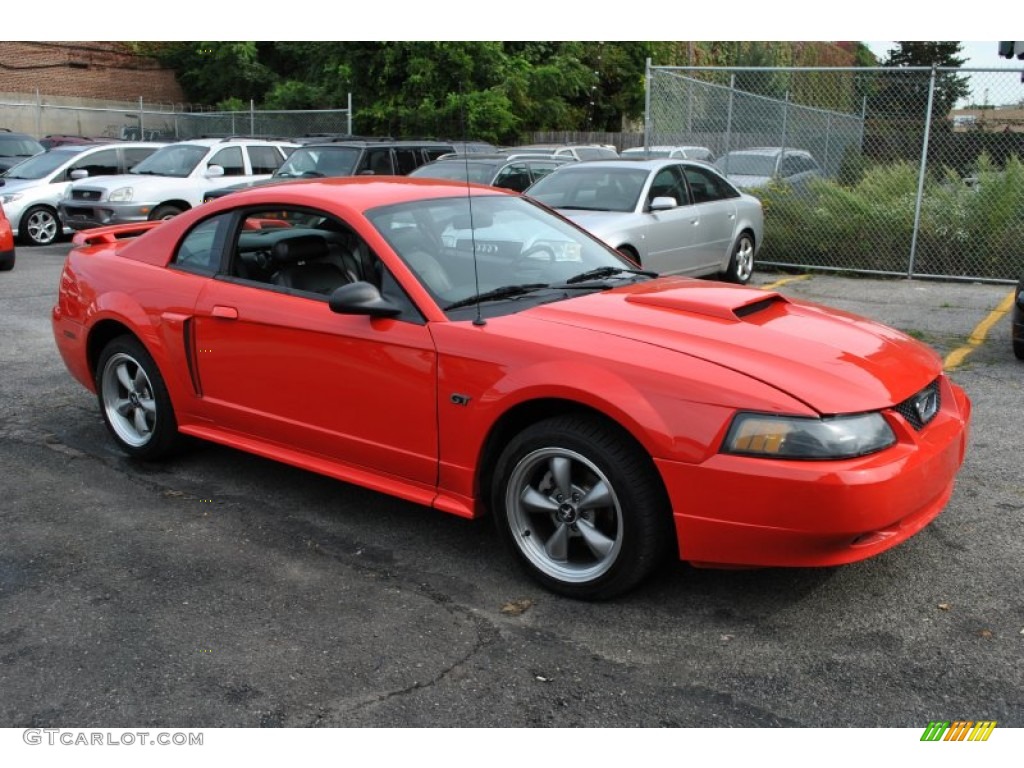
x=478 y=320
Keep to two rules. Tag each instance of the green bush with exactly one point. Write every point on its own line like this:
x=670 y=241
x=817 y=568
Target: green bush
x=974 y=230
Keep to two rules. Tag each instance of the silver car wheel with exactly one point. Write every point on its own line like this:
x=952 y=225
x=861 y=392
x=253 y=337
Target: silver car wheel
x=128 y=400
x=563 y=515
x=41 y=226
x=744 y=267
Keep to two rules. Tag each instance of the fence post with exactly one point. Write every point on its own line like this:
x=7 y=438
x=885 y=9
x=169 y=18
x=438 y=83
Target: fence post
x=921 y=173
x=39 y=114
x=647 y=103
x=785 y=128
x=252 y=117
x=728 y=120
x=350 y=113
x=142 y=121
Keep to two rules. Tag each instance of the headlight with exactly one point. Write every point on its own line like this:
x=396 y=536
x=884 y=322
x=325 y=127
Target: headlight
x=10 y=198
x=794 y=437
x=121 y=195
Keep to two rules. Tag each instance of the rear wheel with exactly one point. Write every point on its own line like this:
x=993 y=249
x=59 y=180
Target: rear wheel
x=741 y=264
x=581 y=507
x=134 y=401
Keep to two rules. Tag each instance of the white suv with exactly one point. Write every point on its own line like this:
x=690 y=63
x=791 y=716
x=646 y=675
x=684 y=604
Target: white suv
x=169 y=181
x=31 y=191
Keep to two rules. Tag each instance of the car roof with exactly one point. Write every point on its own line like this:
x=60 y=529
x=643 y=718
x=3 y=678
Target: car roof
x=769 y=151
x=649 y=163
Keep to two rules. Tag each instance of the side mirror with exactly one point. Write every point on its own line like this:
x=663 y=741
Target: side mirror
x=663 y=204
x=361 y=298
x=79 y=173
x=214 y=171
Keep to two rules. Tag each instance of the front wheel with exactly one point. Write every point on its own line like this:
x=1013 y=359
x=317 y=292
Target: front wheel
x=581 y=507
x=134 y=400
x=741 y=264
x=164 y=212
x=40 y=226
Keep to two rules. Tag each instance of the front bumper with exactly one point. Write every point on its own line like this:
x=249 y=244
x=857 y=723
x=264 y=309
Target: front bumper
x=742 y=511
x=79 y=215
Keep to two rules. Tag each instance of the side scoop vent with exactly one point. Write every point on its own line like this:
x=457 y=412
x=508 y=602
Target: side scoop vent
x=722 y=302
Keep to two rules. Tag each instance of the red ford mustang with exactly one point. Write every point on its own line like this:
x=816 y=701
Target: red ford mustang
x=469 y=350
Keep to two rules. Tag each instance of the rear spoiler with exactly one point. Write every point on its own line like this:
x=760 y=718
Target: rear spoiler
x=111 y=234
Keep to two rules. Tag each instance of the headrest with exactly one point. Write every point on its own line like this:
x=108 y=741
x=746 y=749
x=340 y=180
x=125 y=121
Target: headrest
x=301 y=248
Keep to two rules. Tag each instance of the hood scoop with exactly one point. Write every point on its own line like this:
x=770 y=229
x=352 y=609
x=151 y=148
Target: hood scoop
x=718 y=301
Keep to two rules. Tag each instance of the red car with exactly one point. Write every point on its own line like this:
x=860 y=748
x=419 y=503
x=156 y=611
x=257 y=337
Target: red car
x=470 y=350
x=6 y=243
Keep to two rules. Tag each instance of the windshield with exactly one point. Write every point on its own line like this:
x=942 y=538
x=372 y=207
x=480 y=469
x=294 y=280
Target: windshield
x=459 y=170
x=178 y=160
x=319 y=161
x=584 y=188
x=40 y=165
x=461 y=247
x=740 y=164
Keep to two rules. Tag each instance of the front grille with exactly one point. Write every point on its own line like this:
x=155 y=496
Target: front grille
x=920 y=408
x=86 y=194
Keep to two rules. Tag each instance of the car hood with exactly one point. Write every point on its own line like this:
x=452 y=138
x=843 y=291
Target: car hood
x=831 y=360
x=598 y=222
x=20 y=185
x=139 y=182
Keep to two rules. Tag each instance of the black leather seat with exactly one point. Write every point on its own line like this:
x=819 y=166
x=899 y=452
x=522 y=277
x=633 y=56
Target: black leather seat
x=305 y=263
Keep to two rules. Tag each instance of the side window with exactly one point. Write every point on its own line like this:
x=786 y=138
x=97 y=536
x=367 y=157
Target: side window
x=102 y=163
x=301 y=251
x=200 y=250
x=707 y=187
x=377 y=162
x=407 y=161
x=135 y=155
x=515 y=176
x=432 y=153
x=230 y=159
x=263 y=159
x=668 y=183
x=789 y=166
x=541 y=169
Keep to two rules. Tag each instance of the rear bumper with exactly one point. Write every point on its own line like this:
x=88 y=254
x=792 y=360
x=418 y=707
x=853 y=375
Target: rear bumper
x=742 y=511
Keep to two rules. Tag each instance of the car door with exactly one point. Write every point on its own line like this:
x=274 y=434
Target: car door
x=715 y=202
x=673 y=236
x=274 y=364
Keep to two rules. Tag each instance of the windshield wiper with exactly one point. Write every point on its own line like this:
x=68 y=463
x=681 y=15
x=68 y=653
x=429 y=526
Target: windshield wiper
x=602 y=272
x=504 y=292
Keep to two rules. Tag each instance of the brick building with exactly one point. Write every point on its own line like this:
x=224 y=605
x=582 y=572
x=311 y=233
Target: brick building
x=85 y=70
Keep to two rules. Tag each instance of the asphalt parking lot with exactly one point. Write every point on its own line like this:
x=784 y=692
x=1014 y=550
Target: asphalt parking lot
x=220 y=589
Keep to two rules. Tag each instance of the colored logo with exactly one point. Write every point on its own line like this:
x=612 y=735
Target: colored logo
x=958 y=730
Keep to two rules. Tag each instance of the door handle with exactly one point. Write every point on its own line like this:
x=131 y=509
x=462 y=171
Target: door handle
x=225 y=313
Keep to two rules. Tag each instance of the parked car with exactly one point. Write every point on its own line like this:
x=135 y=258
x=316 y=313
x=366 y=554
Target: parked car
x=755 y=167
x=671 y=216
x=672 y=152
x=573 y=151
x=496 y=170
x=31 y=191
x=6 y=244
x=60 y=139
x=606 y=419
x=171 y=180
x=1017 y=321
x=346 y=157
x=15 y=147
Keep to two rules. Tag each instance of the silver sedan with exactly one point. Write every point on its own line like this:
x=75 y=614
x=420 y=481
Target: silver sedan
x=670 y=216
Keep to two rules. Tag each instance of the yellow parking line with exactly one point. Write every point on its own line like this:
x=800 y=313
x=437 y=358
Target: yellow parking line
x=955 y=358
x=783 y=281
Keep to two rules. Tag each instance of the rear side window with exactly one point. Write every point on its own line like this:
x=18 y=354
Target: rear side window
x=200 y=250
x=264 y=159
x=407 y=160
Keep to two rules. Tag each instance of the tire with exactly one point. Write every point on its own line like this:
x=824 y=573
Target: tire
x=581 y=507
x=40 y=226
x=134 y=401
x=164 y=212
x=741 y=263
x=7 y=262
x=1018 y=348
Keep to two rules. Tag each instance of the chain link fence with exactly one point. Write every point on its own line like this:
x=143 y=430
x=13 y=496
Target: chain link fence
x=911 y=171
x=161 y=122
